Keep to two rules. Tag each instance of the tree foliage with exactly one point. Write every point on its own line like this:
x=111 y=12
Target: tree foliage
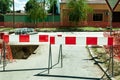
x=5 y=6
x=35 y=10
x=78 y=10
x=53 y=7
x=29 y=5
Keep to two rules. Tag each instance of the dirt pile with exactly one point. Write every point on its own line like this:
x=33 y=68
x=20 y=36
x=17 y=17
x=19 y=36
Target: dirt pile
x=22 y=51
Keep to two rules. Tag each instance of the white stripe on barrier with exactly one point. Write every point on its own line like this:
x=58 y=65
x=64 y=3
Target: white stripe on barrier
x=59 y=40
x=13 y=38
x=34 y=38
x=102 y=41
x=81 y=40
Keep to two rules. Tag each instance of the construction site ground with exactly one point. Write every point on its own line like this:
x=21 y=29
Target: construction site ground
x=76 y=63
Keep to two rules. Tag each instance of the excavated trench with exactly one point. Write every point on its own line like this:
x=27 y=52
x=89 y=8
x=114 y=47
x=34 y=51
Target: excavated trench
x=22 y=51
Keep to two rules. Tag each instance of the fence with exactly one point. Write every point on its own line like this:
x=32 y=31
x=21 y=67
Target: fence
x=58 y=24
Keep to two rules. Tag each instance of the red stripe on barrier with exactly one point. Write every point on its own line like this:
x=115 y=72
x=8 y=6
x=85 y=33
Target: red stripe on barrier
x=6 y=38
x=110 y=41
x=91 y=41
x=24 y=38
x=70 y=40
x=43 y=38
x=52 y=40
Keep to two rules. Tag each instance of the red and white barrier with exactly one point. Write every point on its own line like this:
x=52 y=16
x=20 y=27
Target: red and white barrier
x=26 y=39
x=77 y=40
x=57 y=39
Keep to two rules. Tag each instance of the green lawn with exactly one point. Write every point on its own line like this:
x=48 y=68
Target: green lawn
x=67 y=29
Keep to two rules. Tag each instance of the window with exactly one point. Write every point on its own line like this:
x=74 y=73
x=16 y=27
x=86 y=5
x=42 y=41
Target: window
x=116 y=17
x=97 y=17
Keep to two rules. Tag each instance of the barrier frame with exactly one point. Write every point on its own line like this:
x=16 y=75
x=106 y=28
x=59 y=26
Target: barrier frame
x=29 y=69
x=50 y=64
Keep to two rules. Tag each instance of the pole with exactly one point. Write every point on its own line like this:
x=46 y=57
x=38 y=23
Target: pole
x=61 y=56
x=111 y=48
x=44 y=14
x=49 y=59
x=53 y=4
x=13 y=14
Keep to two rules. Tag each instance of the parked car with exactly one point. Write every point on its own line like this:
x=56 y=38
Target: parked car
x=19 y=31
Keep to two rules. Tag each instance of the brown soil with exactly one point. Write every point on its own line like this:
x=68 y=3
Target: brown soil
x=22 y=51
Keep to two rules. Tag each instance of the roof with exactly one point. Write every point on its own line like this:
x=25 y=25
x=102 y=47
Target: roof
x=90 y=1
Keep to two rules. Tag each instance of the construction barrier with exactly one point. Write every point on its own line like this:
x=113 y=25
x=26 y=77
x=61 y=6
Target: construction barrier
x=78 y=40
x=57 y=39
x=54 y=39
x=26 y=39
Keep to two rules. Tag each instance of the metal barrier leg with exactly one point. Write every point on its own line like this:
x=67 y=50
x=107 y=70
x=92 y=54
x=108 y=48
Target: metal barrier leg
x=4 y=56
x=61 y=56
x=60 y=59
x=112 y=60
x=49 y=59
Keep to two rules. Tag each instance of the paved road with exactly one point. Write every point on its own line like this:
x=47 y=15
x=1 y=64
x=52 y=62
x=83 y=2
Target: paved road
x=74 y=65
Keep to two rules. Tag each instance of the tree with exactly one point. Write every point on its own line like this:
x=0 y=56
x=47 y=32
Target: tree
x=5 y=6
x=35 y=10
x=53 y=7
x=78 y=10
x=29 y=5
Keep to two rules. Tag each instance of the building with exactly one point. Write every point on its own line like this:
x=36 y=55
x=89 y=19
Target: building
x=99 y=18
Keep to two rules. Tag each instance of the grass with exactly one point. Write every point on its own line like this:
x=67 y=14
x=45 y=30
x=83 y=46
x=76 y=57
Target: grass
x=5 y=29
x=91 y=29
x=65 y=29
x=69 y=29
x=45 y=29
x=104 y=56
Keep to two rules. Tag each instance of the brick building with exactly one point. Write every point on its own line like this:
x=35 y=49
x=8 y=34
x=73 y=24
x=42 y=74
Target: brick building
x=99 y=18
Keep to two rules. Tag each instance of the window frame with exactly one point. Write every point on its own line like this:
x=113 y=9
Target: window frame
x=98 y=15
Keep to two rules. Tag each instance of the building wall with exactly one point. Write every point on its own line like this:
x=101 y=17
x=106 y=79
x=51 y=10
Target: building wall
x=97 y=9
x=62 y=20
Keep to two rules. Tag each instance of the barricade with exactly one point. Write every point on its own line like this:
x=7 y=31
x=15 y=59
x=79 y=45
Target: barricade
x=12 y=39
x=78 y=40
x=57 y=39
x=26 y=39
x=73 y=40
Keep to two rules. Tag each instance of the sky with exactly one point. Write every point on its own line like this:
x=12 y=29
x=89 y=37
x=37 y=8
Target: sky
x=20 y=4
